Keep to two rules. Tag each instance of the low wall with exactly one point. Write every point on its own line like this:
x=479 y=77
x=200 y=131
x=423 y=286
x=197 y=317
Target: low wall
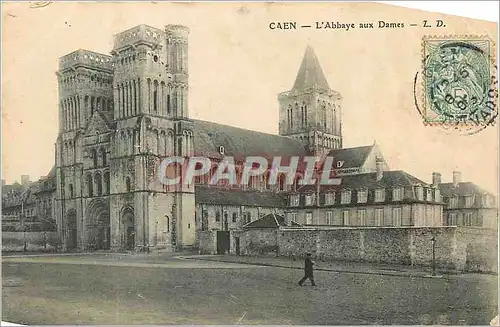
x=207 y=242
x=479 y=247
x=35 y=241
x=259 y=242
x=466 y=249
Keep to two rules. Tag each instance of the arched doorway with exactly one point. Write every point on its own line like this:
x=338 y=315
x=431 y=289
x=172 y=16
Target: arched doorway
x=98 y=226
x=71 y=230
x=128 y=228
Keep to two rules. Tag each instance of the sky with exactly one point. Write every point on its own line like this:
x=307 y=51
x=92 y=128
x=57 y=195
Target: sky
x=238 y=66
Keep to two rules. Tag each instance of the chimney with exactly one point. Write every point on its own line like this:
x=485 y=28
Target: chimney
x=457 y=178
x=25 y=180
x=436 y=179
x=380 y=168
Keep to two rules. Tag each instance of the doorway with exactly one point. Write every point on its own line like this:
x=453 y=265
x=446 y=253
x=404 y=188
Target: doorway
x=223 y=244
x=237 y=245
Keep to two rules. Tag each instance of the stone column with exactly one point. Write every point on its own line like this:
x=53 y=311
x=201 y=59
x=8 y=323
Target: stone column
x=140 y=94
x=134 y=95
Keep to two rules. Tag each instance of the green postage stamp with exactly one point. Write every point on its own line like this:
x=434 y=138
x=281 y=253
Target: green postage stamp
x=459 y=82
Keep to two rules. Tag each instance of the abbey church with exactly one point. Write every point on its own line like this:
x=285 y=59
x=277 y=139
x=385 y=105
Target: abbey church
x=121 y=114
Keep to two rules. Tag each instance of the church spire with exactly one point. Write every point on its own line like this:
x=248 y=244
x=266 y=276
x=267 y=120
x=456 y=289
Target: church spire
x=310 y=74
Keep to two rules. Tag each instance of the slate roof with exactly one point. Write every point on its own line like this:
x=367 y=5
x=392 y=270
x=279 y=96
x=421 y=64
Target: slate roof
x=369 y=181
x=239 y=142
x=310 y=73
x=269 y=221
x=352 y=157
x=15 y=188
x=235 y=197
x=389 y=181
x=462 y=189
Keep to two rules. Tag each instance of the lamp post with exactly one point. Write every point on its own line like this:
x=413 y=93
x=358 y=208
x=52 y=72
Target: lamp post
x=23 y=225
x=433 y=240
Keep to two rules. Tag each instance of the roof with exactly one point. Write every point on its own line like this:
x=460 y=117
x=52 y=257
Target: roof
x=462 y=189
x=14 y=188
x=369 y=181
x=235 y=197
x=352 y=157
x=310 y=73
x=239 y=142
x=269 y=221
x=52 y=172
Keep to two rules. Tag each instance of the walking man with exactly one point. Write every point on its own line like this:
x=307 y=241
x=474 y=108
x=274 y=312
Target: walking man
x=308 y=270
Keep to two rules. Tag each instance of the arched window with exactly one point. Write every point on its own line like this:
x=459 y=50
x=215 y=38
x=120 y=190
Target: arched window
x=71 y=190
x=179 y=147
x=168 y=104
x=92 y=105
x=305 y=114
x=198 y=179
x=106 y=183
x=98 y=183
x=90 y=186
x=128 y=184
x=93 y=156
x=155 y=97
x=103 y=156
x=282 y=182
x=149 y=94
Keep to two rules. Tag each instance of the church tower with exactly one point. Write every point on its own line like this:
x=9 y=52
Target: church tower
x=311 y=111
x=151 y=123
x=85 y=91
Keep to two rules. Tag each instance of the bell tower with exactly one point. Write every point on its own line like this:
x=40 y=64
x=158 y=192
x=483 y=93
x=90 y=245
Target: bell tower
x=311 y=110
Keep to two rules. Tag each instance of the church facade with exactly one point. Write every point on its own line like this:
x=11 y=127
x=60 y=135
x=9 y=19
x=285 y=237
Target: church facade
x=120 y=115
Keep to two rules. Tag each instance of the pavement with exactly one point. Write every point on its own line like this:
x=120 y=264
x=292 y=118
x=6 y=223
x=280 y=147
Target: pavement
x=185 y=289
x=161 y=259
x=340 y=267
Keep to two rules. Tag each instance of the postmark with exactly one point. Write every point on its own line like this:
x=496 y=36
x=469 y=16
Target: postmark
x=458 y=85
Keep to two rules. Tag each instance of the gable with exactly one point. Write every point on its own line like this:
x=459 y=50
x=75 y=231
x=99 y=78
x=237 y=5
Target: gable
x=370 y=163
x=97 y=125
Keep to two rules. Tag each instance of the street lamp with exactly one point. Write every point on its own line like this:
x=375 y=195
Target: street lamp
x=23 y=225
x=433 y=240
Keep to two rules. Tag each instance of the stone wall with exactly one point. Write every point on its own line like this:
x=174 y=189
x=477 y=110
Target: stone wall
x=479 y=247
x=259 y=242
x=206 y=242
x=467 y=249
x=35 y=241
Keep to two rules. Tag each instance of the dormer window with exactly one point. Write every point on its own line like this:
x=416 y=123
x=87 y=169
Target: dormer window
x=397 y=194
x=428 y=196
x=294 y=200
x=437 y=195
x=380 y=195
x=453 y=202
x=362 y=196
x=487 y=201
x=469 y=201
x=329 y=199
x=346 y=197
x=309 y=199
x=420 y=193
